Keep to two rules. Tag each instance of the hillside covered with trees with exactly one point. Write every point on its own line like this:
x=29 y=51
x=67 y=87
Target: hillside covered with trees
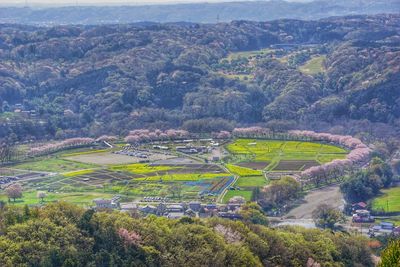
x=66 y=235
x=65 y=81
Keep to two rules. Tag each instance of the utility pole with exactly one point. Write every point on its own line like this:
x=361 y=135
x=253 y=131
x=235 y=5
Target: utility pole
x=387 y=205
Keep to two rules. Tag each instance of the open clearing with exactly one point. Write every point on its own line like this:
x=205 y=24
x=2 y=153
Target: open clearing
x=329 y=195
x=108 y=158
x=53 y=164
x=389 y=201
x=313 y=66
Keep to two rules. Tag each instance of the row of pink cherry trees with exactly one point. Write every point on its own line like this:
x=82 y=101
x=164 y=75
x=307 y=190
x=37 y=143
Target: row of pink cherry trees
x=254 y=131
x=67 y=143
x=359 y=154
x=144 y=135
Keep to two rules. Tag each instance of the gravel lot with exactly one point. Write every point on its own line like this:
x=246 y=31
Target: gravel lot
x=111 y=158
x=330 y=195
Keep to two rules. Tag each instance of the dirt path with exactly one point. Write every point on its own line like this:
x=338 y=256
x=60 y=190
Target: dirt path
x=330 y=195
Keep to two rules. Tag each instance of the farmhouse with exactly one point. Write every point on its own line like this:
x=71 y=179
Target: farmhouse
x=174 y=208
x=148 y=209
x=175 y=215
x=195 y=206
x=129 y=207
x=186 y=150
x=362 y=216
x=102 y=203
x=358 y=206
x=384 y=228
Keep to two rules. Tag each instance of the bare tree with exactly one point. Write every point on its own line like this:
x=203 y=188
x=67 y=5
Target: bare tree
x=7 y=152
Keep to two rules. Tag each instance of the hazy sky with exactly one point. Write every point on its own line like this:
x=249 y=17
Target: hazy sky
x=109 y=2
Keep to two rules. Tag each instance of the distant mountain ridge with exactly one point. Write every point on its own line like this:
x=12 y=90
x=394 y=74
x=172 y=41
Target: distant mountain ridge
x=195 y=12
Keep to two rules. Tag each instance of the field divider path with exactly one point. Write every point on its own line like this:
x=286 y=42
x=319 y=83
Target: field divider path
x=223 y=193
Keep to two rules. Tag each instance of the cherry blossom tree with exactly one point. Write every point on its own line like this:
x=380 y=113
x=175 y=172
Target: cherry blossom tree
x=14 y=191
x=129 y=237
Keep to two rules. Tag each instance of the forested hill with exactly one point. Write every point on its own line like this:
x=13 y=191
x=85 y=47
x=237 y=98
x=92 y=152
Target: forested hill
x=87 y=80
x=197 y=12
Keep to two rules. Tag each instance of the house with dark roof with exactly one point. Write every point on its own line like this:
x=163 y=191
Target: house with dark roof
x=148 y=209
x=230 y=215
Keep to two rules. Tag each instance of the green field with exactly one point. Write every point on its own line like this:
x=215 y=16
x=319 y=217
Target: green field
x=389 y=201
x=53 y=164
x=85 y=152
x=313 y=66
x=77 y=173
x=242 y=171
x=80 y=198
x=251 y=181
x=275 y=150
x=243 y=193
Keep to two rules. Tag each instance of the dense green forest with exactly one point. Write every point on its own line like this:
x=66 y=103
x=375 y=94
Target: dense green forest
x=65 y=235
x=65 y=81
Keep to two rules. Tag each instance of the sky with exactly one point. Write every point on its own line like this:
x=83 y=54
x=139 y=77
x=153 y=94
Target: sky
x=108 y=2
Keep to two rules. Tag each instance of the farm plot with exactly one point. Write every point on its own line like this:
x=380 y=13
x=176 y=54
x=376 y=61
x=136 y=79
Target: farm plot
x=151 y=170
x=22 y=177
x=257 y=165
x=142 y=168
x=251 y=181
x=137 y=180
x=294 y=165
x=182 y=177
x=296 y=155
x=242 y=171
x=212 y=186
